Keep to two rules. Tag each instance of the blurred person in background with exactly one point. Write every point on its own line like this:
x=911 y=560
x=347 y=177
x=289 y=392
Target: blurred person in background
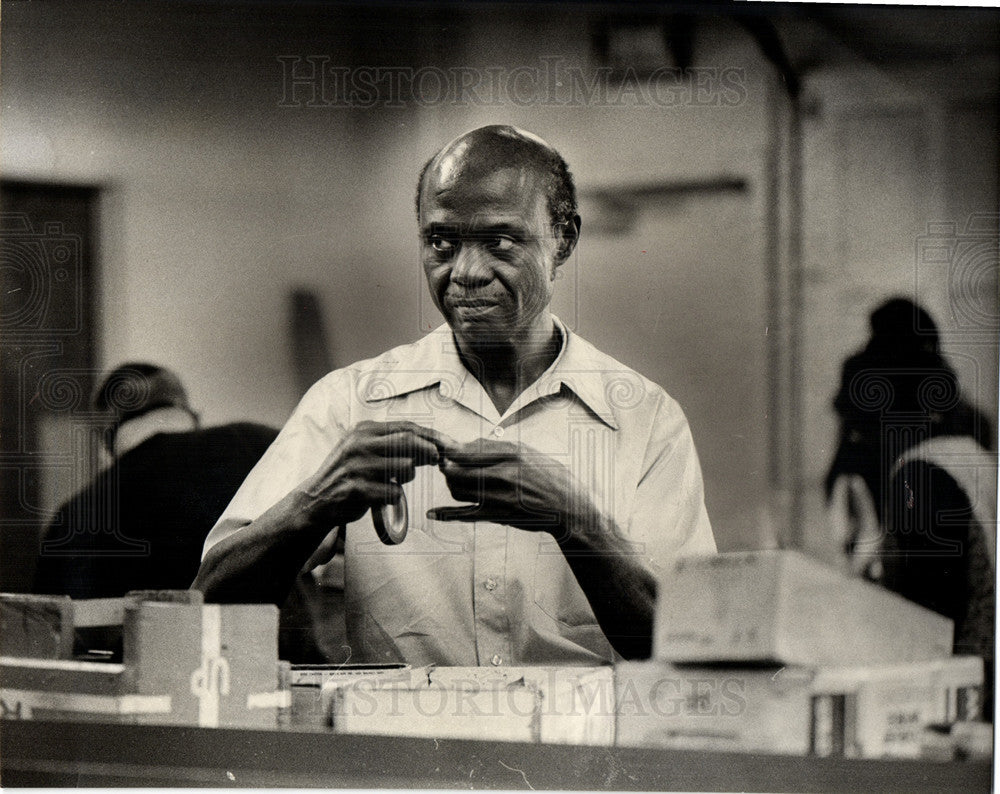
x=141 y=523
x=911 y=488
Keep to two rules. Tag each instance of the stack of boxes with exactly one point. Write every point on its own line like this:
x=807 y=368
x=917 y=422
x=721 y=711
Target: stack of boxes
x=755 y=652
x=774 y=652
x=183 y=662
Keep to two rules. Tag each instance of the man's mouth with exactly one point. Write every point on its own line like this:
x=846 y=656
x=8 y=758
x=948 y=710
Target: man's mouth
x=471 y=304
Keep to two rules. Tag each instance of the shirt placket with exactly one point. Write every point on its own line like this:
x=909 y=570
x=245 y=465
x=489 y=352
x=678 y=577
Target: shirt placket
x=493 y=639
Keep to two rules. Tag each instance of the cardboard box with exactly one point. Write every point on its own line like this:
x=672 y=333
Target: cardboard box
x=504 y=712
x=576 y=704
x=71 y=690
x=57 y=627
x=312 y=687
x=559 y=705
x=219 y=661
x=184 y=664
x=785 y=608
x=869 y=712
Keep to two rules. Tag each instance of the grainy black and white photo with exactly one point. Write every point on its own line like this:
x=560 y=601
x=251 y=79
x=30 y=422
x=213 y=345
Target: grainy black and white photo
x=498 y=395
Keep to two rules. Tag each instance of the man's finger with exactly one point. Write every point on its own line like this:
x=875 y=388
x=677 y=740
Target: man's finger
x=406 y=444
x=381 y=493
x=481 y=453
x=466 y=484
x=435 y=437
x=463 y=513
x=400 y=469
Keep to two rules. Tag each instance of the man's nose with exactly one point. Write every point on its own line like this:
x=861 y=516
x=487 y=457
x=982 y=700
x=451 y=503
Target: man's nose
x=471 y=266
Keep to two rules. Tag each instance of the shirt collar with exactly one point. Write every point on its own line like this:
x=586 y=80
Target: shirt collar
x=578 y=369
x=434 y=361
x=431 y=361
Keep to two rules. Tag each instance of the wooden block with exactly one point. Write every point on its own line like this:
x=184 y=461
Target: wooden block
x=219 y=662
x=167 y=596
x=786 y=608
x=36 y=626
x=92 y=612
x=70 y=690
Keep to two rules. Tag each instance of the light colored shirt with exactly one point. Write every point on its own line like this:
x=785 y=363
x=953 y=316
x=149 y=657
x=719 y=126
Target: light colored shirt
x=483 y=593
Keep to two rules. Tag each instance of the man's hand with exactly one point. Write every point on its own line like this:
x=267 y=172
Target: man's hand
x=259 y=563
x=368 y=468
x=515 y=485
x=511 y=484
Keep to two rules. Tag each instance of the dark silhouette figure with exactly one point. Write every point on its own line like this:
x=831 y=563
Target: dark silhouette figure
x=141 y=523
x=912 y=484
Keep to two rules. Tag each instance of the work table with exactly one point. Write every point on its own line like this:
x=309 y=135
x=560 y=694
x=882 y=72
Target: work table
x=43 y=753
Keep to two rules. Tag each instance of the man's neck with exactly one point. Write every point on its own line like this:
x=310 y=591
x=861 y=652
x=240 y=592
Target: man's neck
x=161 y=420
x=507 y=367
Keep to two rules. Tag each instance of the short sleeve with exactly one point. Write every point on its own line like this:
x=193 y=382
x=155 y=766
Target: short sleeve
x=312 y=431
x=669 y=517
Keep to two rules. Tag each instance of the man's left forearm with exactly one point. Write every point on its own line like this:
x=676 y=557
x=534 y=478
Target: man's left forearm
x=621 y=591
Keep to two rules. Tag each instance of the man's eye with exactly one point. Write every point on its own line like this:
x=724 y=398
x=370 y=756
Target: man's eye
x=502 y=243
x=441 y=244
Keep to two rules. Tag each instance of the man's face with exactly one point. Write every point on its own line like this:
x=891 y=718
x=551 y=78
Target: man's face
x=487 y=248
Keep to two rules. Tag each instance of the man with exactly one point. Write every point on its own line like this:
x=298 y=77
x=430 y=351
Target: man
x=548 y=485
x=142 y=522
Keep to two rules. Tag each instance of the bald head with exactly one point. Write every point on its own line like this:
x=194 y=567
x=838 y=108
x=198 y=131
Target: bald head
x=487 y=150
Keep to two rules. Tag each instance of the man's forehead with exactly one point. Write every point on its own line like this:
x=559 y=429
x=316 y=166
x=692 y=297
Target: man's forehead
x=449 y=164
x=497 y=182
x=497 y=142
x=507 y=196
x=479 y=154
x=490 y=170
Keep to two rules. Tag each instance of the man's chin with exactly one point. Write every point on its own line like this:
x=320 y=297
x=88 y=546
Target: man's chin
x=476 y=312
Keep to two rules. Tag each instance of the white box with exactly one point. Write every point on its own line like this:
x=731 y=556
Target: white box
x=391 y=708
x=312 y=687
x=785 y=608
x=556 y=705
x=576 y=703
x=868 y=712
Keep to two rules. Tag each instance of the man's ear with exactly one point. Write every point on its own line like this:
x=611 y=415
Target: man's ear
x=569 y=236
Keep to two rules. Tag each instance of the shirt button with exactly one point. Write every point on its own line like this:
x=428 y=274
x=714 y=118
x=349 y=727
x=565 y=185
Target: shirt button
x=498 y=431
x=491 y=584
x=497 y=661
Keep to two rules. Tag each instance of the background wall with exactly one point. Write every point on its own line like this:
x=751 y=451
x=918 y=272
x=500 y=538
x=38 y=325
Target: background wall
x=900 y=198
x=221 y=193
